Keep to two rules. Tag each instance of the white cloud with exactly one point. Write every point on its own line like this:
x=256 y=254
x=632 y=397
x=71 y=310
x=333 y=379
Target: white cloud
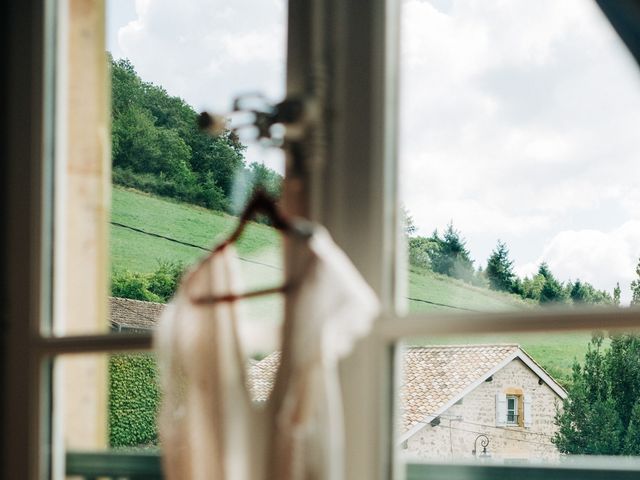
x=518 y=121
x=208 y=51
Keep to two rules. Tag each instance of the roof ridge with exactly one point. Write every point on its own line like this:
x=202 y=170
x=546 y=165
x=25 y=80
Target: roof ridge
x=136 y=301
x=463 y=345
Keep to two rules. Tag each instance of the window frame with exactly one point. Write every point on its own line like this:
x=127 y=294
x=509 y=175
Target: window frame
x=349 y=184
x=515 y=421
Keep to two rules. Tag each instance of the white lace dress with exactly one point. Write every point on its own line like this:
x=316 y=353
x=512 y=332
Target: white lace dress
x=209 y=426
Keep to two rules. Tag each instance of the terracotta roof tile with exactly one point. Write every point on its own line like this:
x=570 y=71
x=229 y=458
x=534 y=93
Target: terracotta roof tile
x=126 y=314
x=434 y=375
x=262 y=376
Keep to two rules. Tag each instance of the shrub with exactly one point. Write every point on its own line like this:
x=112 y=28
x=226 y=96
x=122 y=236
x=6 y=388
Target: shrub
x=134 y=398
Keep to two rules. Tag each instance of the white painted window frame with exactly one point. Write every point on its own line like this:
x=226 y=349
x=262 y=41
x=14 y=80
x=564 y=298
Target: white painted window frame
x=514 y=421
x=351 y=187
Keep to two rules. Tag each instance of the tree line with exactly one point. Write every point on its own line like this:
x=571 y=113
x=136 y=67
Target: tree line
x=158 y=148
x=447 y=254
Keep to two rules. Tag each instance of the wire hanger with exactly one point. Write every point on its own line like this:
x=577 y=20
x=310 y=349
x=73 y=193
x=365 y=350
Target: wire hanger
x=260 y=202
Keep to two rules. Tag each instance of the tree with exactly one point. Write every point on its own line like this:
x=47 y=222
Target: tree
x=499 y=270
x=157 y=147
x=452 y=257
x=409 y=225
x=632 y=437
x=532 y=287
x=601 y=414
x=582 y=293
x=552 y=291
x=616 y=295
x=635 y=287
x=421 y=250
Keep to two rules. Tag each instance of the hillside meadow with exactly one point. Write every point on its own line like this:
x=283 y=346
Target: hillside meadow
x=261 y=266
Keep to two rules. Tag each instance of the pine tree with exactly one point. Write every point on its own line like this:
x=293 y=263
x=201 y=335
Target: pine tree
x=452 y=257
x=499 y=270
x=616 y=295
x=410 y=228
x=635 y=287
x=552 y=291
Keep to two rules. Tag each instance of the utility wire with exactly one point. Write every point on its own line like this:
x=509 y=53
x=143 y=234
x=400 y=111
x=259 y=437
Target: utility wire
x=187 y=244
x=533 y=442
x=440 y=304
x=454 y=417
x=248 y=260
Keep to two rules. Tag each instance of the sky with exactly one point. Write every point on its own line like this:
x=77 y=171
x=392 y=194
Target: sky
x=519 y=119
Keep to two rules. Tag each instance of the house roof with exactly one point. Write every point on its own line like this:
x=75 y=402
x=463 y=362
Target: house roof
x=133 y=315
x=262 y=376
x=436 y=377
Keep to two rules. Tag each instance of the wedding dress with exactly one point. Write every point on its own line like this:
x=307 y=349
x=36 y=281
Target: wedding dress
x=209 y=426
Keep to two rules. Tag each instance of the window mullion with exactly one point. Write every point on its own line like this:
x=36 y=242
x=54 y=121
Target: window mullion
x=547 y=321
x=342 y=58
x=24 y=227
x=95 y=343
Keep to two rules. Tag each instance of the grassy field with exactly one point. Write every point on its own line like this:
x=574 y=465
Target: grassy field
x=261 y=266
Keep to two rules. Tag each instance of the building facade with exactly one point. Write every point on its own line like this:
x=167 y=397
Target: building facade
x=474 y=401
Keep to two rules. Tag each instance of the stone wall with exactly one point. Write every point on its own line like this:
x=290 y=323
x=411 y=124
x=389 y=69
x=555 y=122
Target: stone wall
x=453 y=437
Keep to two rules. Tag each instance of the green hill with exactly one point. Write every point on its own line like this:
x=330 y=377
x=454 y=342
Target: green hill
x=261 y=266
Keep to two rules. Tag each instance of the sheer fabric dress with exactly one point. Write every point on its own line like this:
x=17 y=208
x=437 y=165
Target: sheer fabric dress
x=209 y=426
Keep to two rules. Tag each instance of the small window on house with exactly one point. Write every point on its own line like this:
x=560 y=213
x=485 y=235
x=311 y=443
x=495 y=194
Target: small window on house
x=512 y=410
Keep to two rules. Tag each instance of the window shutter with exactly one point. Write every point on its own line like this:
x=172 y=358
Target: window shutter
x=501 y=409
x=528 y=420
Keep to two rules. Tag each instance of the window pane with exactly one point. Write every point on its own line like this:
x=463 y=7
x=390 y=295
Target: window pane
x=175 y=192
x=518 y=398
x=105 y=404
x=518 y=155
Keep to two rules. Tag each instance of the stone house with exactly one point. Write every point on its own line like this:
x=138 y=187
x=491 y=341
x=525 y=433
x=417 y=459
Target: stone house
x=450 y=395
x=455 y=393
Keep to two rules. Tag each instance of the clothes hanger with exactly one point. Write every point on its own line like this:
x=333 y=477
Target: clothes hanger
x=263 y=203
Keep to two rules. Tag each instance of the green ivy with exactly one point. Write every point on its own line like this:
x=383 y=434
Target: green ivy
x=134 y=398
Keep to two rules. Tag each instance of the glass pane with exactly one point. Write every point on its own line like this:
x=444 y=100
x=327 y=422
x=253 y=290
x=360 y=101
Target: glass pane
x=105 y=405
x=175 y=192
x=518 y=152
x=525 y=398
x=106 y=410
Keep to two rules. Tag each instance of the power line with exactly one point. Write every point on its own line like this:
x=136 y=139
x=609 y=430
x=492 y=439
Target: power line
x=441 y=304
x=248 y=260
x=489 y=426
x=187 y=244
x=454 y=417
x=504 y=438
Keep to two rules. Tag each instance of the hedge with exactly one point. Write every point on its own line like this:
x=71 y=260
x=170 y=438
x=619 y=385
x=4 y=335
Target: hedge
x=134 y=398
